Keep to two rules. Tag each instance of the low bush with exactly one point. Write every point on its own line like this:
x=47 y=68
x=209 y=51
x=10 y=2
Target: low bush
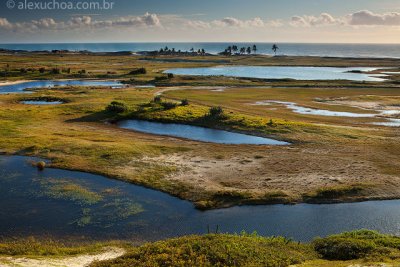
x=157 y=99
x=216 y=250
x=184 y=102
x=168 y=105
x=138 y=71
x=55 y=71
x=215 y=113
x=41 y=165
x=336 y=248
x=356 y=245
x=117 y=107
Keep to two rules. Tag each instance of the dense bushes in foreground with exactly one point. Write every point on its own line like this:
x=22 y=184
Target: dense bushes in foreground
x=217 y=250
x=358 y=244
x=253 y=250
x=346 y=249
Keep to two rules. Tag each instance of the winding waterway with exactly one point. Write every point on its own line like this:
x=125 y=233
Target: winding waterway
x=68 y=204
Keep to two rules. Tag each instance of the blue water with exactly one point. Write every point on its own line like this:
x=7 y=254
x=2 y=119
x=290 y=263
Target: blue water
x=297 y=73
x=197 y=133
x=49 y=103
x=331 y=50
x=27 y=208
x=20 y=87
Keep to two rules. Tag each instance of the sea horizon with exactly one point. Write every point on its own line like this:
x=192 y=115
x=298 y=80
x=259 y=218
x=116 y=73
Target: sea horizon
x=356 y=50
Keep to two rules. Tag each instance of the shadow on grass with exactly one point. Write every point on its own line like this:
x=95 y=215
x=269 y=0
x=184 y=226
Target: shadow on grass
x=101 y=116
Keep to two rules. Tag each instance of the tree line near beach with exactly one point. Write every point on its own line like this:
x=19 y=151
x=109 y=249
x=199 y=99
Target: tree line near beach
x=229 y=51
x=235 y=50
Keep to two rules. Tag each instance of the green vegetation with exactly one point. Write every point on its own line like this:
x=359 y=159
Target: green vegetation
x=347 y=249
x=41 y=165
x=217 y=250
x=65 y=189
x=47 y=247
x=357 y=245
x=138 y=71
x=117 y=107
x=356 y=248
x=335 y=193
x=325 y=151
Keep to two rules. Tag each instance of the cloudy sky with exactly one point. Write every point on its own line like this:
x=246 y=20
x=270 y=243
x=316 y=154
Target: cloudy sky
x=318 y=21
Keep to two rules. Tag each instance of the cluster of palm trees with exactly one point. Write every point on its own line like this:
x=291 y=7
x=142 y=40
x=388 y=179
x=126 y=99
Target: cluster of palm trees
x=173 y=51
x=234 y=50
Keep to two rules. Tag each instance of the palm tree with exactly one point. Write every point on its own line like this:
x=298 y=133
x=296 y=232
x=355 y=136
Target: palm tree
x=275 y=48
x=230 y=48
x=242 y=50
x=235 y=48
x=255 y=49
x=248 y=50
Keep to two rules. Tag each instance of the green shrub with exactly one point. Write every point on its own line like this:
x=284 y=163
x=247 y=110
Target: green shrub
x=184 y=102
x=157 y=99
x=170 y=75
x=216 y=250
x=271 y=123
x=117 y=107
x=168 y=105
x=215 y=112
x=138 y=71
x=55 y=71
x=336 y=192
x=41 y=165
x=356 y=245
x=336 y=248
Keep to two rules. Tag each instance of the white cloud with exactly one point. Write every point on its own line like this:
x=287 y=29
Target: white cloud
x=360 y=18
x=5 y=24
x=147 y=20
x=321 y=20
x=366 y=17
x=234 y=22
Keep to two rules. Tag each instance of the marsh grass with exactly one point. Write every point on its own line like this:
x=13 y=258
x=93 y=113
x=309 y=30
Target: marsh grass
x=32 y=246
x=358 y=244
x=75 y=136
x=217 y=250
x=67 y=190
x=336 y=192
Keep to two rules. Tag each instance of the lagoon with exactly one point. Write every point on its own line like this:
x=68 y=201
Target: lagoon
x=276 y=72
x=197 y=133
x=69 y=204
x=22 y=87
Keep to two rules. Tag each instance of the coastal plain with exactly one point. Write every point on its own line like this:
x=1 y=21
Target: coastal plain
x=341 y=146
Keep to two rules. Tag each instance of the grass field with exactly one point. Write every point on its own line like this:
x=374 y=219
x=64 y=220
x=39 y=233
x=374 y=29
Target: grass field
x=347 y=156
x=330 y=159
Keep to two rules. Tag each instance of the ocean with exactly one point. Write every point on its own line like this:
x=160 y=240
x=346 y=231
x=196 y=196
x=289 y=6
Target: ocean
x=289 y=49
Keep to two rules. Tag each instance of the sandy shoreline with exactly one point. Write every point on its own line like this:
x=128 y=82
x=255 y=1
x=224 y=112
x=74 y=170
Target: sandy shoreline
x=76 y=261
x=2 y=83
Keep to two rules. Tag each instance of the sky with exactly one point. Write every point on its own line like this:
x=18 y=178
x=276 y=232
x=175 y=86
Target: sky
x=306 y=21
